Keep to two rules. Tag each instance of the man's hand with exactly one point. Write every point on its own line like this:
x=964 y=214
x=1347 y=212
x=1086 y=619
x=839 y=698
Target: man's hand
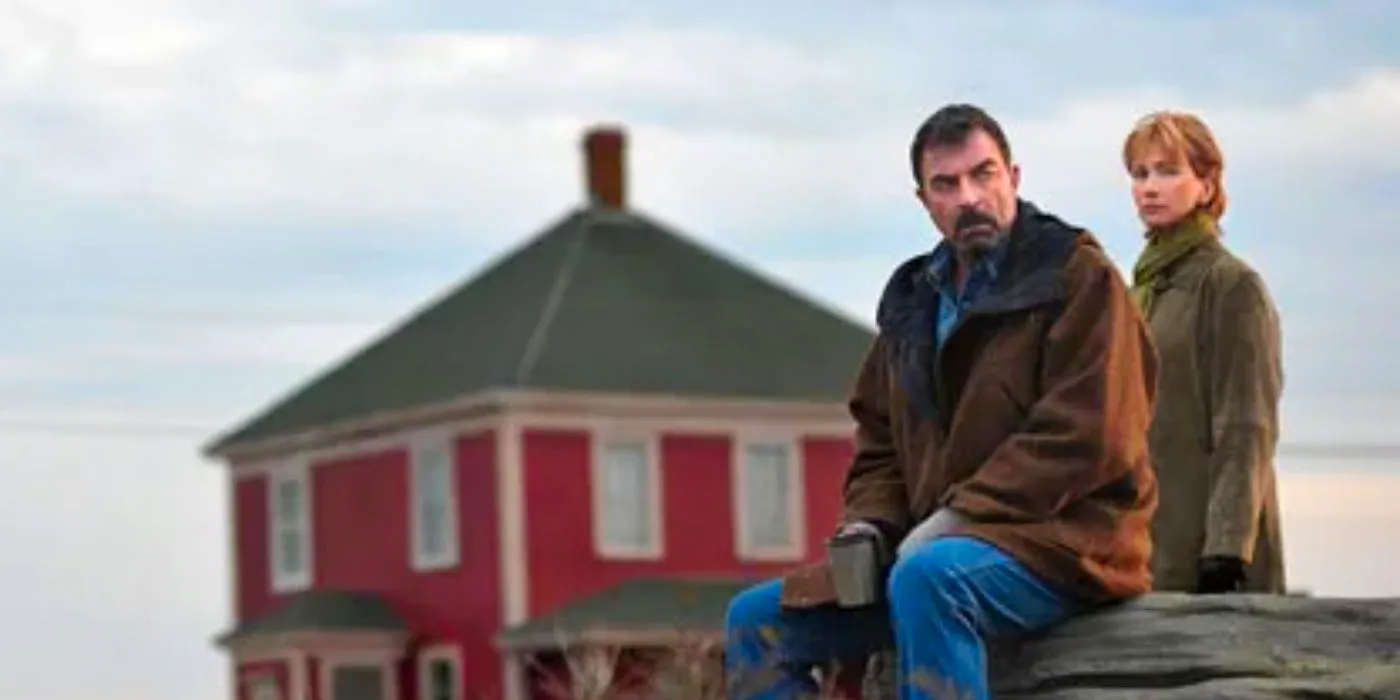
x=1220 y=575
x=942 y=522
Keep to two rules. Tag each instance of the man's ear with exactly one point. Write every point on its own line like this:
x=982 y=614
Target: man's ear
x=1016 y=175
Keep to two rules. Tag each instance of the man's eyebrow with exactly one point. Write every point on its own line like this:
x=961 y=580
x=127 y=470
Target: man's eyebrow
x=947 y=177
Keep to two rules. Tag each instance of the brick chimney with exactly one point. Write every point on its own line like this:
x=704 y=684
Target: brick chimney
x=605 y=166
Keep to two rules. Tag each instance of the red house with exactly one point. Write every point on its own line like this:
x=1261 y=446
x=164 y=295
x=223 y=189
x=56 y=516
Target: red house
x=596 y=440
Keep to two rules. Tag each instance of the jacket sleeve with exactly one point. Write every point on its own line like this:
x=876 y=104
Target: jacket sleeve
x=874 y=488
x=1089 y=427
x=1245 y=379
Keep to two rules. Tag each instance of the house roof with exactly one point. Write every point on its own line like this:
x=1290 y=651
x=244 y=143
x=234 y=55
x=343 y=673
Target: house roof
x=606 y=299
x=321 y=610
x=673 y=607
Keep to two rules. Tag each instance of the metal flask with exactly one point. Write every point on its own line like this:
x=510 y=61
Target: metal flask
x=855 y=562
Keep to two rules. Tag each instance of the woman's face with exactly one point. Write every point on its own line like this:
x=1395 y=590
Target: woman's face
x=1165 y=190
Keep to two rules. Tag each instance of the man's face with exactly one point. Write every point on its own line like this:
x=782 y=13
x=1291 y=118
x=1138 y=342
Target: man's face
x=970 y=192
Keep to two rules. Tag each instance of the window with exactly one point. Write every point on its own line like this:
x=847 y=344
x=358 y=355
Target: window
x=290 y=529
x=440 y=674
x=769 y=500
x=626 y=500
x=434 y=506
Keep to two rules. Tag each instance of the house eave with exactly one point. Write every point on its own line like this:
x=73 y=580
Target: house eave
x=251 y=646
x=535 y=402
x=475 y=405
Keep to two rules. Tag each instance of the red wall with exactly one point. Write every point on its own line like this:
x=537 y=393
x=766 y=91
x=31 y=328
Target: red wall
x=360 y=539
x=250 y=545
x=697 y=514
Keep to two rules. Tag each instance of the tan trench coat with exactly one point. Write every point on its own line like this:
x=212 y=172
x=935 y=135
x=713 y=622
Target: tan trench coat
x=1216 y=424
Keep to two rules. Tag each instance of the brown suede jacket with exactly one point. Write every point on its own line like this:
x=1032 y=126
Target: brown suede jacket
x=1032 y=419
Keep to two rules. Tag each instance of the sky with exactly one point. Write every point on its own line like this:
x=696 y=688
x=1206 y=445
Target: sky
x=202 y=203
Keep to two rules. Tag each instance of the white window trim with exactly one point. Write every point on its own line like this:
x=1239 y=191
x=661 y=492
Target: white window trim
x=282 y=582
x=440 y=652
x=383 y=662
x=422 y=561
x=655 y=549
x=797 y=500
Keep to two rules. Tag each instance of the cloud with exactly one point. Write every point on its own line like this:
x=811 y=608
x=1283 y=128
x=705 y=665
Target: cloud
x=478 y=129
x=251 y=168
x=206 y=144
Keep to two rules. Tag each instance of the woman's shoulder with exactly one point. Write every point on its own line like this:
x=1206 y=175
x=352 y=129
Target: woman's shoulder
x=1224 y=267
x=1230 y=277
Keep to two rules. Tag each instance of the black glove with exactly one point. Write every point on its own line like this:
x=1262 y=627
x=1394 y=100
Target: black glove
x=1220 y=575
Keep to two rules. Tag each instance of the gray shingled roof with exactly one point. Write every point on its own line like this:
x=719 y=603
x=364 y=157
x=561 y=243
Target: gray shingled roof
x=685 y=605
x=321 y=610
x=604 y=300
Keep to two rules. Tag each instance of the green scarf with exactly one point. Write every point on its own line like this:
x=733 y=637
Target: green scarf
x=1165 y=247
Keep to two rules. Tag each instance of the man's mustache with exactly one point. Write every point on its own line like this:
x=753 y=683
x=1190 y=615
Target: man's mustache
x=972 y=218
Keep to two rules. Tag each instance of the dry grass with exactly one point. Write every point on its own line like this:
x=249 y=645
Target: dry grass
x=691 y=670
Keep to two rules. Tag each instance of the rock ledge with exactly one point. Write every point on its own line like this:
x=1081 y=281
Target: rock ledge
x=1179 y=647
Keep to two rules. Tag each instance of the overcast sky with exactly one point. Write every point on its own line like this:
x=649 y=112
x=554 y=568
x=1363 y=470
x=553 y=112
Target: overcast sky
x=201 y=205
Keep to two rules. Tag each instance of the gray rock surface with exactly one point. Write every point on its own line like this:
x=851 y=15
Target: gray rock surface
x=1178 y=647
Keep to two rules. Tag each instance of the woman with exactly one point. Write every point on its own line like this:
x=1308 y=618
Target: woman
x=1217 y=333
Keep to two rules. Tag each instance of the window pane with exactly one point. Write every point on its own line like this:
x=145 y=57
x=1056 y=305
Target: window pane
x=441 y=680
x=769 y=486
x=432 y=485
x=289 y=525
x=289 y=500
x=290 y=555
x=432 y=529
x=626 y=494
x=432 y=478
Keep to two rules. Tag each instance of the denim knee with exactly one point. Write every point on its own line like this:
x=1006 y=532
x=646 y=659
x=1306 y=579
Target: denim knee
x=937 y=571
x=753 y=606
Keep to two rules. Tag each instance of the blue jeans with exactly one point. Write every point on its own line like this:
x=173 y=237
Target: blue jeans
x=944 y=600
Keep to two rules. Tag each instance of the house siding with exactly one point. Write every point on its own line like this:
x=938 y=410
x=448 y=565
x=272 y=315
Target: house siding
x=697 y=513
x=252 y=586
x=361 y=541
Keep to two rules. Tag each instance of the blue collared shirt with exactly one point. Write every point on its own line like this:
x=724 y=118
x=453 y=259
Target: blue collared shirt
x=951 y=304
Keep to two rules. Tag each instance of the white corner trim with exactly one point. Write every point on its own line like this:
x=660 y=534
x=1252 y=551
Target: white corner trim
x=599 y=438
x=744 y=549
x=512 y=561
x=513 y=679
x=428 y=655
x=386 y=663
x=510 y=508
x=297 y=677
x=280 y=581
x=421 y=561
x=236 y=530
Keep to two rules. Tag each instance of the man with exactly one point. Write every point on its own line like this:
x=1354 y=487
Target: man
x=1002 y=416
